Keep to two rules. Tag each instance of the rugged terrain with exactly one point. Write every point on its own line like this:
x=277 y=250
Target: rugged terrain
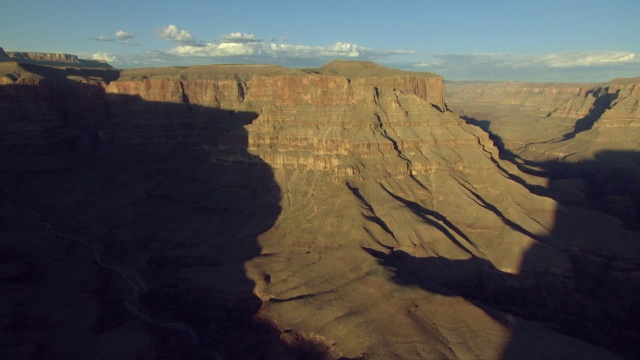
x=596 y=117
x=242 y=212
x=585 y=137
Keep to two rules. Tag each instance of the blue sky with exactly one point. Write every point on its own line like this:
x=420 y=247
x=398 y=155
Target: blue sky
x=561 y=40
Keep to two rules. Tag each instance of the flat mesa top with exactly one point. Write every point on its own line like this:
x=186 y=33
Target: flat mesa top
x=341 y=68
x=625 y=81
x=14 y=68
x=356 y=69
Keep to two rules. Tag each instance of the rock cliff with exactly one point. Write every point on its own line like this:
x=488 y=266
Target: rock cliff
x=3 y=55
x=256 y=211
x=51 y=59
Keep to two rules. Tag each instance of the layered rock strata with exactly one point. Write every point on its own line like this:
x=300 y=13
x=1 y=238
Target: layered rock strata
x=527 y=115
x=256 y=211
x=51 y=59
x=589 y=132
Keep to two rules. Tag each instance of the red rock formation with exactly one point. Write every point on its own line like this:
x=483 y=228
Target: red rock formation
x=291 y=103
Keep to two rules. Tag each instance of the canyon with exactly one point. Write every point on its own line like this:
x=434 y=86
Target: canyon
x=346 y=212
x=584 y=137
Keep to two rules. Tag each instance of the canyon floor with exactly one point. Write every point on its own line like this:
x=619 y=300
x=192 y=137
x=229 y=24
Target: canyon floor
x=345 y=212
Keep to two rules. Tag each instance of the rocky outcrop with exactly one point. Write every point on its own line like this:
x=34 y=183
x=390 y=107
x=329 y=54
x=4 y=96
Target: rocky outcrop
x=53 y=59
x=3 y=55
x=44 y=57
x=256 y=211
x=292 y=104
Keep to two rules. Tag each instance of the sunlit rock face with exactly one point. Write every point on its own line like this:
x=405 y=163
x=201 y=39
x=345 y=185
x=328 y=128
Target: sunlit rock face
x=262 y=212
x=51 y=59
x=585 y=136
x=531 y=119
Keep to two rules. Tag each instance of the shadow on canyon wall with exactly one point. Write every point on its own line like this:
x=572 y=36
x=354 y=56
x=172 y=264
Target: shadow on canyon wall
x=597 y=301
x=611 y=181
x=602 y=103
x=62 y=72
x=166 y=198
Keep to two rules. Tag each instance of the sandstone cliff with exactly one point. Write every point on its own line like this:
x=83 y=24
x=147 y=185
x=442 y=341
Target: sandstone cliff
x=256 y=211
x=52 y=59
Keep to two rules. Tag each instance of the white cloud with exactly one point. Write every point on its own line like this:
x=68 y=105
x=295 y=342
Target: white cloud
x=177 y=34
x=588 y=59
x=238 y=47
x=103 y=38
x=214 y=50
x=341 y=49
x=240 y=38
x=562 y=60
x=104 y=56
x=587 y=66
x=249 y=45
x=121 y=34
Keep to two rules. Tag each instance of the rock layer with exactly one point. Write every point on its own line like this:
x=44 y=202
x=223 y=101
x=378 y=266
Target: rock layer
x=598 y=116
x=586 y=132
x=51 y=59
x=256 y=211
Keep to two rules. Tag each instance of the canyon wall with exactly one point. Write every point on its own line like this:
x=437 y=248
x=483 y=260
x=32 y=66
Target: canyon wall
x=51 y=59
x=605 y=115
x=584 y=135
x=44 y=57
x=256 y=211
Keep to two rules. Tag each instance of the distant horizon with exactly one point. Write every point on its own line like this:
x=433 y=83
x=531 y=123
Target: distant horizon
x=582 y=41
x=328 y=61
x=601 y=77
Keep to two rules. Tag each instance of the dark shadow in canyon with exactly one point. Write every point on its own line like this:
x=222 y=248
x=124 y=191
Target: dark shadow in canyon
x=63 y=72
x=602 y=103
x=610 y=182
x=597 y=300
x=165 y=190
x=485 y=125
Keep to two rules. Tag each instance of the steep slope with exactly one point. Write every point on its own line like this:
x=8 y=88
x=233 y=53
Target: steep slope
x=255 y=211
x=3 y=55
x=585 y=136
